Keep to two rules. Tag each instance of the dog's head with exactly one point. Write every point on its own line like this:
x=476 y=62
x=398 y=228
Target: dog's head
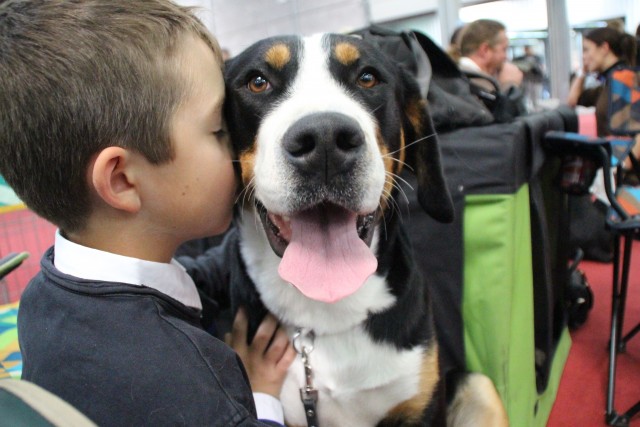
x=322 y=127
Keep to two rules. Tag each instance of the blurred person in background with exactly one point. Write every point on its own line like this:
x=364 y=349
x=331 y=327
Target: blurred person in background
x=483 y=47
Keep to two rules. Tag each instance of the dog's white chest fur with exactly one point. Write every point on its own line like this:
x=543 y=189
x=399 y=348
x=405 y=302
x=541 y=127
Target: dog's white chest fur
x=358 y=381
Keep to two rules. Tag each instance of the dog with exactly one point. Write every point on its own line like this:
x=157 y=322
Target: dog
x=322 y=127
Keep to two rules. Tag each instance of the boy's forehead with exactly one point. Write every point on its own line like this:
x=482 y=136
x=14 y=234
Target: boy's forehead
x=201 y=74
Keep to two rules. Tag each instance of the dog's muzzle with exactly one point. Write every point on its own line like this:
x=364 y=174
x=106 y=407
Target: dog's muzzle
x=324 y=239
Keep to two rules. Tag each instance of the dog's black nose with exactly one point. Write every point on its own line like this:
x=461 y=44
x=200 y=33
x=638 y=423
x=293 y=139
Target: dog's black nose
x=323 y=145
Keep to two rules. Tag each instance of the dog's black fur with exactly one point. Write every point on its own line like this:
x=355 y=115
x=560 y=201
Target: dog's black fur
x=404 y=138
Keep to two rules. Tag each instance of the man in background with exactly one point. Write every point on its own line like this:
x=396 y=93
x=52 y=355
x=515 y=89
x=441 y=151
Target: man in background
x=483 y=47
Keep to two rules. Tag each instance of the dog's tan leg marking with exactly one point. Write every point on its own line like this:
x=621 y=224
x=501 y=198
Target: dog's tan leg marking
x=247 y=163
x=346 y=53
x=410 y=411
x=278 y=56
x=477 y=404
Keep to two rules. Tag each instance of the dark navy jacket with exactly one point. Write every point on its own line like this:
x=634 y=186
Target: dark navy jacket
x=128 y=355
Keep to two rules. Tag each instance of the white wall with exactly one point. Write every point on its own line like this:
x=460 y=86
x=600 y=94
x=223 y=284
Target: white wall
x=204 y=11
x=238 y=23
x=526 y=15
x=385 y=10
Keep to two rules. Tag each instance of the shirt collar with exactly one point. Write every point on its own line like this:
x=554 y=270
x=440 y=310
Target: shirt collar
x=470 y=64
x=92 y=264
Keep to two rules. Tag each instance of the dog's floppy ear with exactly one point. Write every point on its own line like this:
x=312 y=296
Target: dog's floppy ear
x=423 y=153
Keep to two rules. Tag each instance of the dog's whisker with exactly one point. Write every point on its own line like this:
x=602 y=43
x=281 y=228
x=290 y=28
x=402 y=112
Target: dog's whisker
x=383 y=224
x=410 y=144
x=251 y=193
x=377 y=108
x=396 y=178
x=243 y=195
x=403 y=193
x=400 y=162
x=393 y=203
x=239 y=199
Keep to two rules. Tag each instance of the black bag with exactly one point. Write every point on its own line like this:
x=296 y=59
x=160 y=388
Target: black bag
x=587 y=220
x=503 y=105
x=578 y=294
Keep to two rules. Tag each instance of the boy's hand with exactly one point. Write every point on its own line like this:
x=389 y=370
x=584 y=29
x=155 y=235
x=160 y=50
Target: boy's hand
x=269 y=355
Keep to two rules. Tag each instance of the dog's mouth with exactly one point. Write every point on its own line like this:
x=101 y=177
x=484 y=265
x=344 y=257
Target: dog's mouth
x=325 y=249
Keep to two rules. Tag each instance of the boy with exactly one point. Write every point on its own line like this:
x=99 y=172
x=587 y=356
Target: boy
x=111 y=128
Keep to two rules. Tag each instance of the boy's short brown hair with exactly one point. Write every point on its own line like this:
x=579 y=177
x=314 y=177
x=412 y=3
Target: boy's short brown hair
x=79 y=76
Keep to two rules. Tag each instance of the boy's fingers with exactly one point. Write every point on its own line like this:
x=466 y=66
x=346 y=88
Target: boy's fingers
x=287 y=358
x=239 y=329
x=278 y=346
x=264 y=333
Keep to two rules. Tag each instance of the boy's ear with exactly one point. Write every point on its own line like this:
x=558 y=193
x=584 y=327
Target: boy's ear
x=112 y=179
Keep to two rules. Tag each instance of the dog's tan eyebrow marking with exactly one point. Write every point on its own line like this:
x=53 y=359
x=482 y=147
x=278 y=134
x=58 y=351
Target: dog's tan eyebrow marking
x=346 y=53
x=278 y=56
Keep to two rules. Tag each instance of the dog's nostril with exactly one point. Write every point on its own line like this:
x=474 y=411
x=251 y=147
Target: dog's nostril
x=303 y=144
x=348 y=140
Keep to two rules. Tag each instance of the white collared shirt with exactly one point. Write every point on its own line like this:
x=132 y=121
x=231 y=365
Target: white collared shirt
x=469 y=64
x=92 y=264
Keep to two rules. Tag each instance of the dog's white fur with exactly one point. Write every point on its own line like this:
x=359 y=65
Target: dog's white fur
x=358 y=380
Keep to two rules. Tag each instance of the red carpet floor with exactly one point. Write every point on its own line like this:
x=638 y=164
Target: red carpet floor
x=22 y=230
x=581 y=397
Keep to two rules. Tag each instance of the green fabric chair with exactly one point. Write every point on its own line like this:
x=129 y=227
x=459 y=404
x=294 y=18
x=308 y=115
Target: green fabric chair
x=495 y=271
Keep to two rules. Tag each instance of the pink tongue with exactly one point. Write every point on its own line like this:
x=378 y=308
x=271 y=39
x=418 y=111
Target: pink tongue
x=325 y=259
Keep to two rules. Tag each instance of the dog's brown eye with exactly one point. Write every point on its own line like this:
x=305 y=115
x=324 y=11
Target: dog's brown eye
x=367 y=80
x=258 y=84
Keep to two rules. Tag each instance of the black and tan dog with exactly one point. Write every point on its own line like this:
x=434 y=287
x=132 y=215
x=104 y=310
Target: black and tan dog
x=322 y=127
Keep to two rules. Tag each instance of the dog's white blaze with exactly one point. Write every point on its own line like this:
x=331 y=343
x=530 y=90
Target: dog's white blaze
x=357 y=380
x=313 y=90
x=289 y=305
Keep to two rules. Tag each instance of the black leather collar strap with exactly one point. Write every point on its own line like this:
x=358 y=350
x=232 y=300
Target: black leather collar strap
x=309 y=399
